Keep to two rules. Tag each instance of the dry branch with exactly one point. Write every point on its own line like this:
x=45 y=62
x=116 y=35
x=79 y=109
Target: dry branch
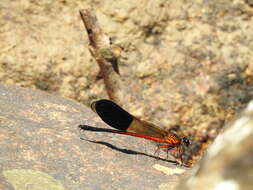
x=101 y=50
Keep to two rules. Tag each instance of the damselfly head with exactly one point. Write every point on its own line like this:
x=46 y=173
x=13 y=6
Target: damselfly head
x=186 y=141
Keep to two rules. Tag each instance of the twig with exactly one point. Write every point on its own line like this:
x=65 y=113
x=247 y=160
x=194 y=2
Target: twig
x=101 y=50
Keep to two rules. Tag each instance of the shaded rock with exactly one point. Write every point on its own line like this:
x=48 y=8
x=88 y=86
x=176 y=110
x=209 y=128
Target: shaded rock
x=40 y=148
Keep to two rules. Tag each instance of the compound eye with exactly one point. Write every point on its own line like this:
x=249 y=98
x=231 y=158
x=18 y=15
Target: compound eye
x=186 y=141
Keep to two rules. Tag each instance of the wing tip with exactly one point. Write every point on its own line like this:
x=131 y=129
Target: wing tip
x=112 y=114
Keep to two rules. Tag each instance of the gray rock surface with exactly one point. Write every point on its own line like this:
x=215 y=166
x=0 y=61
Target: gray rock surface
x=40 y=148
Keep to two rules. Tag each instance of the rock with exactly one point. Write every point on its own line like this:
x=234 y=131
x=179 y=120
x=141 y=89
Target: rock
x=41 y=148
x=227 y=163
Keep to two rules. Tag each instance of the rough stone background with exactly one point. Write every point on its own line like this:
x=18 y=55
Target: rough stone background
x=185 y=62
